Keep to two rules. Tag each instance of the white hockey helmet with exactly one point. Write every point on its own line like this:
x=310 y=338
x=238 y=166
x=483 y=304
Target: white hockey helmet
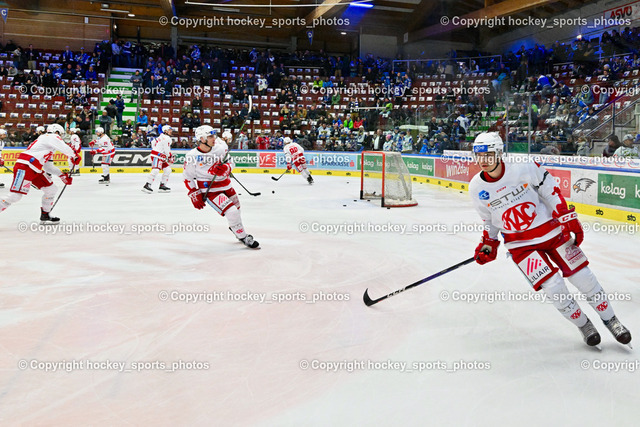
x=488 y=142
x=40 y=129
x=55 y=128
x=203 y=132
x=74 y=130
x=166 y=129
x=226 y=135
x=99 y=130
x=3 y=133
x=287 y=140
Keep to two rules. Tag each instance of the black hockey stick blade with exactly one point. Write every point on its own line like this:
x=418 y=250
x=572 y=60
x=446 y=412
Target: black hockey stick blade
x=276 y=179
x=369 y=302
x=245 y=188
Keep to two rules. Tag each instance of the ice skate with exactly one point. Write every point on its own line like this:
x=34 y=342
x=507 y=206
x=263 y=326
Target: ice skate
x=617 y=329
x=147 y=188
x=249 y=242
x=590 y=334
x=46 y=219
x=164 y=189
x=105 y=180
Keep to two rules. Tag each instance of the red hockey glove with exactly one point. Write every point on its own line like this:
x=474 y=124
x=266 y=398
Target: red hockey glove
x=163 y=157
x=171 y=159
x=487 y=245
x=92 y=143
x=66 y=179
x=93 y=152
x=220 y=169
x=196 y=198
x=568 y=218
x=75 y=161
x=288 y=166
x=1 y=162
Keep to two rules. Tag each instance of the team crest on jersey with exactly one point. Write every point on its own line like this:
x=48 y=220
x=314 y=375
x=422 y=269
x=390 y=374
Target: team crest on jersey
x=520 y=217
x=484 y=195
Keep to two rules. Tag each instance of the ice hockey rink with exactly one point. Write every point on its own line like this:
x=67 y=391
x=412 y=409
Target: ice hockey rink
x=112 y=288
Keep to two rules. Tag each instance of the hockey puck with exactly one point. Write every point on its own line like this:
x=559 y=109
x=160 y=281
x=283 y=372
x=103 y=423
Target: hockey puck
x=388 y=208
x=273 y=191
x=344 y=206
x=355 y=200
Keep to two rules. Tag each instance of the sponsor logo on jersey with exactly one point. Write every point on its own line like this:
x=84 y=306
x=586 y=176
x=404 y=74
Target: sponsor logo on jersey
x=576 y=314
x=535 y=268
x=484 y=195
x=520 y=217
x=500 y=189
x=602 y=307
x=582 y=184
x=509 y=197
x=533 y=264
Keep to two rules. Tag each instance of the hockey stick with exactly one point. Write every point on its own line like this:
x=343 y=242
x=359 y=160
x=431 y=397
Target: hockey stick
x=275 y=179
x=245 y=188
x=62 y=191
x=369 y=302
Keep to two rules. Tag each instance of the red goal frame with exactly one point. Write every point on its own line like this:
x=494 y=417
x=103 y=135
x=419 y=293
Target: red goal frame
x=384 y=163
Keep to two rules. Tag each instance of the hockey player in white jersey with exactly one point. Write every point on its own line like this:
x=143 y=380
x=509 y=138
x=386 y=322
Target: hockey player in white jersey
x=76 y=144
x=3 y=136
x=161 y=159
x=35 y=167
x=294 y=154
x=209 y=165
x=522 y=201
x=105 y=148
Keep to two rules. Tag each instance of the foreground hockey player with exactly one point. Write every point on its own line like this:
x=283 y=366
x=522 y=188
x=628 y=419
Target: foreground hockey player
x=3 y=136
x=35 y=167
x=522 y=201
x=294 y=154
x=207 y=165
x=105 y=148
x=161 y=159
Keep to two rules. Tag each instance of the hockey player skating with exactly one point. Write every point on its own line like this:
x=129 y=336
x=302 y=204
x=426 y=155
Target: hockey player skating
x=161 y=159
x=207 y=165
x=35 y=167
x=3 y=136
x=105 y=148
x=76 y=145
x=294 y=154
x=522 y=201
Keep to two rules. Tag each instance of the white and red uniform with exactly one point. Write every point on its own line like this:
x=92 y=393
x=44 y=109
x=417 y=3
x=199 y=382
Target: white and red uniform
x=34 y=167
x=161 y=158
x=519 y=204
x=222 y=197
x=294 y=154
x=75 y=144
x=105 y=148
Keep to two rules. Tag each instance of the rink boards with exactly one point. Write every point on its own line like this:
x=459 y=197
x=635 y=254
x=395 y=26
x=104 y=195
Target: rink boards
x=598 y=187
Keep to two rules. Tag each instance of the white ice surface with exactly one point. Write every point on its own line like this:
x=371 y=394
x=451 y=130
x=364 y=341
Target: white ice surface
x=95 y=296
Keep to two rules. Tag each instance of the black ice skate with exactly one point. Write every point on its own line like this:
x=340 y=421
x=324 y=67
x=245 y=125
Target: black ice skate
x=147 y=188
x=46 y=219
x=617 y=329
x=1 y=185
x=249 y=242
x=590 y=334
x=310 y=180
x=163 y=189
x=105 y=180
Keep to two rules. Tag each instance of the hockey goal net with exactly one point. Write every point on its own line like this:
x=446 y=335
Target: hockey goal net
x=384 y=176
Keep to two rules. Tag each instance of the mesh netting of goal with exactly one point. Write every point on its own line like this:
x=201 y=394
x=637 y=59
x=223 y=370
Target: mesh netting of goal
x=385 y=176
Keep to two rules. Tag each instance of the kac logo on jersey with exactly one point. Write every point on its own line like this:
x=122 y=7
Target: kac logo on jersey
x=484 y=195
x=520 y=217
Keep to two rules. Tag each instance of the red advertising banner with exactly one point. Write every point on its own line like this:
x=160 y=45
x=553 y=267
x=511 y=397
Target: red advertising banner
x=563 y=180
